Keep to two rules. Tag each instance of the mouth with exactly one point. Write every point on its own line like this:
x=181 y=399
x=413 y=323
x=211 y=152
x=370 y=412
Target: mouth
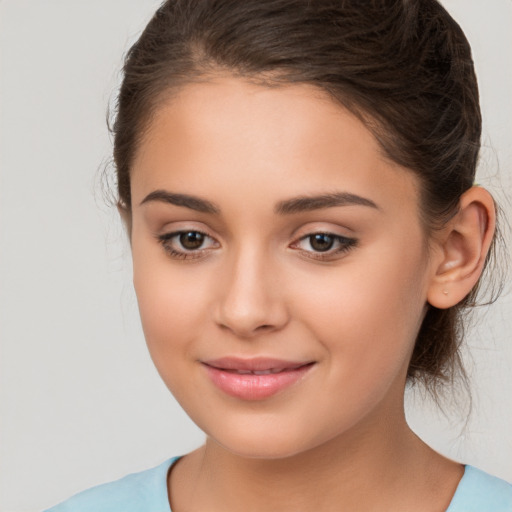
x=255 y=379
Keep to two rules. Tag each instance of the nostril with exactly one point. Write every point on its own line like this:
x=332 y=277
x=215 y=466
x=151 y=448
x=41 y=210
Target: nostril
x=247 y=311
x=248 y=332
x=264 y=327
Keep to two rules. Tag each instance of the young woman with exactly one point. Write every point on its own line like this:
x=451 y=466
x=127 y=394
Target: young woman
x=297 y=182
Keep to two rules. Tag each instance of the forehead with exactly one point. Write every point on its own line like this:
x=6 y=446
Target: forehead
x=290 y=140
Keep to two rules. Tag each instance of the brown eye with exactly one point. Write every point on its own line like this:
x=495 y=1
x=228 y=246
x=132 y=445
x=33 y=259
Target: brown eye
x=187 y=245
x=191 y=240
x=324 y=246
x=321 y=242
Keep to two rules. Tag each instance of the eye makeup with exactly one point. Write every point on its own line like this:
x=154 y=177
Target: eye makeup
x=194 y=244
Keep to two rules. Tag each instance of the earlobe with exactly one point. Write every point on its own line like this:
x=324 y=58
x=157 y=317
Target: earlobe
x=463 y=249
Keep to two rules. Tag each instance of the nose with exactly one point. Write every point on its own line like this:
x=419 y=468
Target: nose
x=250 y=301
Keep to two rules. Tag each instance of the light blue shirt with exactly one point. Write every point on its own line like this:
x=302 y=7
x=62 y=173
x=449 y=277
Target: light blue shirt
x=480 y=492
x=147 y=492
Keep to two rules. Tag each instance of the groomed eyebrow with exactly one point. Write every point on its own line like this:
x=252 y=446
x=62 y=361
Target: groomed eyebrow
x=310 y=203
x=192 y=202
x=287 y=207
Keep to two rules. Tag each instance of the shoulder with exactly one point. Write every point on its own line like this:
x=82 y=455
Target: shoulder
x=480 y=492
x=144 y=491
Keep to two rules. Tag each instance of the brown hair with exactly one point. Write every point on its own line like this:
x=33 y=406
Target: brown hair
x=403 y=66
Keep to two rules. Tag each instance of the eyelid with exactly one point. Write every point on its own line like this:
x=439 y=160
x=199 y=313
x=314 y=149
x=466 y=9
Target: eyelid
x=166 y=238
x=345 y=245
x=169 y=229
x=171 y=234
x=341 y=243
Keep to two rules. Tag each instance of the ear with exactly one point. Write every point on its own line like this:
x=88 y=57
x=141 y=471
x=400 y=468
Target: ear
x=464 y=245
x=126 y=217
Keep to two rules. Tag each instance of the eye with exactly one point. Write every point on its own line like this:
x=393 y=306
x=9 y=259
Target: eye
x=324 y=246
x=191 y=240
x=321 y=242
x=187 y=244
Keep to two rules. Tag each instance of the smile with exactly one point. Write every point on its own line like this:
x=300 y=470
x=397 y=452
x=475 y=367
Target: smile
x=254 y=379
x=257 y=372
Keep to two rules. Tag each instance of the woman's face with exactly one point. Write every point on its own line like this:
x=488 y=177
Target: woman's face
x=279 y=263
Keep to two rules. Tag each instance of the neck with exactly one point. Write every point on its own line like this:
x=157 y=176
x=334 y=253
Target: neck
x=371 y=467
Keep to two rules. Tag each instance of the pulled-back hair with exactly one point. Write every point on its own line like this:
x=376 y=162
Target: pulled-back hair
x=404 y=67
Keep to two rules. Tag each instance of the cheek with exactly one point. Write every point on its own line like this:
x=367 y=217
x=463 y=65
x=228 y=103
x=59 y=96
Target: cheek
x=172 y=321
x=368 y=311
x=172 y=303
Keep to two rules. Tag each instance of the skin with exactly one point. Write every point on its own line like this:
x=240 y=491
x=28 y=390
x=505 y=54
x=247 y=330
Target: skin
x=257 y=287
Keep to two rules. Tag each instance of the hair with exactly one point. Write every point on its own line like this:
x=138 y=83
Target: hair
x=404 y=67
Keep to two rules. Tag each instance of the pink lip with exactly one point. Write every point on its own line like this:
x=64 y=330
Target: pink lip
x=227 y=374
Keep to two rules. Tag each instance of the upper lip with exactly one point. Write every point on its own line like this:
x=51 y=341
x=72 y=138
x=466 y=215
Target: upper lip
x=254 y=364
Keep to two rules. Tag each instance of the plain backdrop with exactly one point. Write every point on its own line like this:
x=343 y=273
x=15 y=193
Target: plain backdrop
x=80 y=401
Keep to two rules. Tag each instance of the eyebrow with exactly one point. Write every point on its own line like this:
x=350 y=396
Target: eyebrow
x=310 y=203
x=192 y=202
x=287 y=207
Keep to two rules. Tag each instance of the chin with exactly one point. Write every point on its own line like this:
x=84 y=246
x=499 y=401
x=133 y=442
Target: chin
x=263 y=450
x=272 y=443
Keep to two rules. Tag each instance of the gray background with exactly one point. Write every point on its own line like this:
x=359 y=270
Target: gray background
x=80 y=401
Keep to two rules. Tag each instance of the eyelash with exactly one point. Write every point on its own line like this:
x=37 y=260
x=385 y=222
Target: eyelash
x=345 y=245
x=166 y=239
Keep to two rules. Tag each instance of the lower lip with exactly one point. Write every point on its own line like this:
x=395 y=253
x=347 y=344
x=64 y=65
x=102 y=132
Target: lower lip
x=255 y=387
